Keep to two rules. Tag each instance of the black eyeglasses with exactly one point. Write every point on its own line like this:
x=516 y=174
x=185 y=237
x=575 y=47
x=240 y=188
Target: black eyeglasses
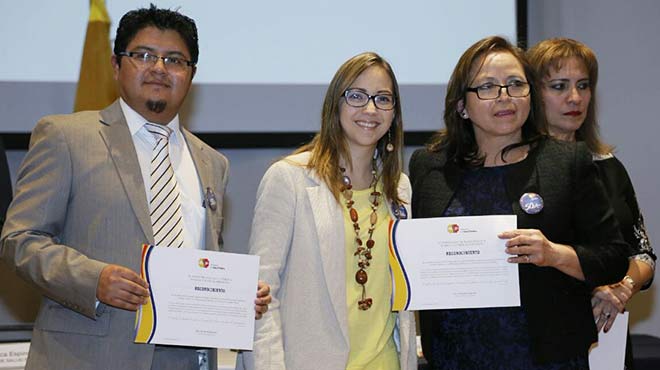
x=358 y=98
x=145 y=59
x=490 y=91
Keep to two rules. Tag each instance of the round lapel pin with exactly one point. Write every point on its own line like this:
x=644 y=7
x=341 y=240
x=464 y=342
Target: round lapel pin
x=399 y=211
x=531 y=203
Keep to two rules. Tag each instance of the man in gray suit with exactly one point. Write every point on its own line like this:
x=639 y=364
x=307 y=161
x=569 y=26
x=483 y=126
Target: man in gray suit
x=85 y=203
x=5 y=184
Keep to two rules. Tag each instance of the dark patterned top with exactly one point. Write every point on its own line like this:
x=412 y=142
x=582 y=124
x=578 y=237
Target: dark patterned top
x=624 y=202
x=484 y=338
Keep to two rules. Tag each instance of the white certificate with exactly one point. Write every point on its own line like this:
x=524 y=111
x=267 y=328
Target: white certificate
x=198 y=298
x=452 y=262
x=610 y=351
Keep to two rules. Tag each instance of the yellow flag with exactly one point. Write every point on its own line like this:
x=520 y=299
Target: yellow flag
x=96 y=86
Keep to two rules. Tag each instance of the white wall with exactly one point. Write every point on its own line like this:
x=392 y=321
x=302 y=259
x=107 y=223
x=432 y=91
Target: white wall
x=267 y=42
x=275 y=56
x=624 y=35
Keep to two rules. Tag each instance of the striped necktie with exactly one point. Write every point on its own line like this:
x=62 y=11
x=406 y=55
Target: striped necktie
x=165 y=205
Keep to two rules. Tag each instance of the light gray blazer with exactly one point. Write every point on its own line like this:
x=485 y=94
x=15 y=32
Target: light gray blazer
x=80 y=204
x=298 y=230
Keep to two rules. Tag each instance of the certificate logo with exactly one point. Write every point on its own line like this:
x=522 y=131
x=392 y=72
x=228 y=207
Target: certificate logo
x=452 y=228
x=205 y=263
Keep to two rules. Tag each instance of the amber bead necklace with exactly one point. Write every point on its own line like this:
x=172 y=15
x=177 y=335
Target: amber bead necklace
x=362 y=251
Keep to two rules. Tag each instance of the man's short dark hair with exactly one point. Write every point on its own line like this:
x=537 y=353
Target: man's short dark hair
x=164 y=19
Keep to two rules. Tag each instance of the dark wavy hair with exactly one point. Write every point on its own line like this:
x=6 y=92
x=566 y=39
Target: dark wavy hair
x=551 y=54
x=329 y=144
x=163 y=19
x=457 y=138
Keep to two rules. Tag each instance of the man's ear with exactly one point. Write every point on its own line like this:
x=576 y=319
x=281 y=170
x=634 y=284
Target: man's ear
x=194 y=70
x=115 y=66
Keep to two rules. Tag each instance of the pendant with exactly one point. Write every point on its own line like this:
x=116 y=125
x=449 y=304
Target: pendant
x=365 y=304
x=361 y=277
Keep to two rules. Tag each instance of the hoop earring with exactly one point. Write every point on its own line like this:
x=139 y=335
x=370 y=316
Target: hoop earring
x=389 y=146
x=464 y=114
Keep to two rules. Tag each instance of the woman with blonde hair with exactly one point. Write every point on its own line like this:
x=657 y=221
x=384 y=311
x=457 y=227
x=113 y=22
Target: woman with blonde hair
x=321 y=230
x=568 y=70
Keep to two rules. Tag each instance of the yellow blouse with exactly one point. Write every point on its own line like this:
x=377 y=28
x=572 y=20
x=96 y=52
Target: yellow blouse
x=370 y=332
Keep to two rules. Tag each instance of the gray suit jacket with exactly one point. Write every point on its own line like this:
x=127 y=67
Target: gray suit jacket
x=5 y=184
x=80 y=204
x=298 y=231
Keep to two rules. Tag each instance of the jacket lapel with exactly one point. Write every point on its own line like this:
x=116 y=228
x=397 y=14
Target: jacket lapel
x=403 y=191
x=331 y=236
x=442 y=189
x=524 y=180
x=203 y=166
x=118 y=140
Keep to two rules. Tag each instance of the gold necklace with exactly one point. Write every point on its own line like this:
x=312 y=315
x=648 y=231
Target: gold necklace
x=363 y=253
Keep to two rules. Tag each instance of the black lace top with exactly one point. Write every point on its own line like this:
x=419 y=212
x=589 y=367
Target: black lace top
x=624 y=202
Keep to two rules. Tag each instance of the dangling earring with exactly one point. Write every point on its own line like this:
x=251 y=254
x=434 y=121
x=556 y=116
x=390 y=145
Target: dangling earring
x=389 y=146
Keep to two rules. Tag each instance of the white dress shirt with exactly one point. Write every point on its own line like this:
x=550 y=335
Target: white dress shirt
x=194 y=215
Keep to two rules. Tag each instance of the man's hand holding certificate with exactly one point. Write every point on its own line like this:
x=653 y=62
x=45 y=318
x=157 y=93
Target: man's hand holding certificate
x=198 y=298
x=452 y=262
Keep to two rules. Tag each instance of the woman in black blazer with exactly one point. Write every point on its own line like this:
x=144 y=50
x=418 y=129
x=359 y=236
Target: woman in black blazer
x=493 y=158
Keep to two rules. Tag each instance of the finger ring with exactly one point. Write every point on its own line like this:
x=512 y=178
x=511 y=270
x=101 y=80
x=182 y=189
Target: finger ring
x=607 y=315
x=527 y=258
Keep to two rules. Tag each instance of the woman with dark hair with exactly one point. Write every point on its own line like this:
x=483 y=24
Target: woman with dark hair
x=568 y=70
x=321 y=229
x=493 y=158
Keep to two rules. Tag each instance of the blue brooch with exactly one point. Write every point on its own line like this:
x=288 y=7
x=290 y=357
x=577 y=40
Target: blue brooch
x=531 y=203
x=399 y=211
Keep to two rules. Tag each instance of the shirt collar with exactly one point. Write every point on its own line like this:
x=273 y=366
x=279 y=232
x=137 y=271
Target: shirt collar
x=135 y=121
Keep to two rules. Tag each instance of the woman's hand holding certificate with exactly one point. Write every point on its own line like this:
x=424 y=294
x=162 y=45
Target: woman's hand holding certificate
x=452 y=262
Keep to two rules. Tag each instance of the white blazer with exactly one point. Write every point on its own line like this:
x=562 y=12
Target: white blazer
x=298 y=231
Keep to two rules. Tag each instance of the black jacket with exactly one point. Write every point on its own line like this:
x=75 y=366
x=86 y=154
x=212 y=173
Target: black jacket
x=576 y=212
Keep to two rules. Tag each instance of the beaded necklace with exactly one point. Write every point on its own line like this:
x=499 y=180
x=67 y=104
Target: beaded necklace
x=363 y=253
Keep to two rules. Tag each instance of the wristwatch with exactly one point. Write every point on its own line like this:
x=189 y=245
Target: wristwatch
x=629 y=280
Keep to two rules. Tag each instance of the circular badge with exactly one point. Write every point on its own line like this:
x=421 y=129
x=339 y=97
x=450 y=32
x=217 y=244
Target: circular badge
x=531 y=203
x=399 y=211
